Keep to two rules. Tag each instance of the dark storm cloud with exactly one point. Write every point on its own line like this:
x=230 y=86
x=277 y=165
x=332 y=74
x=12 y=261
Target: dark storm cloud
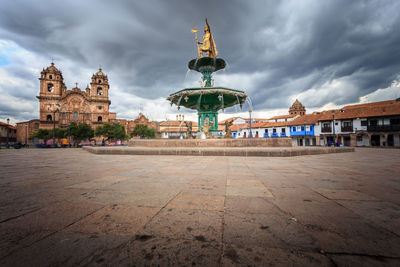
x=144 y=46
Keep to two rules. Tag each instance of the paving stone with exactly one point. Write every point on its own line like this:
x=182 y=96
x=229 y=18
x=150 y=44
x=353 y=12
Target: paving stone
x=70 y=207
x=27 y=229
x=116 y=220
x=201 y=225
x=248 y=191
x=268 y=256
x=364 y=261
x=197 y=202
x=263 y=230
x=154 y=251
x=343 y=194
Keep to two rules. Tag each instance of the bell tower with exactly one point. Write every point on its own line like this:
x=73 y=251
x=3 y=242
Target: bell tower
x=51 y=82
x=99 y=85
x=297 y=108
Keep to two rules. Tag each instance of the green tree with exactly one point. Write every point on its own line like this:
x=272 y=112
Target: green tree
x=43 y=134
x=143 y=131
x=111 y=131
x=80 y=132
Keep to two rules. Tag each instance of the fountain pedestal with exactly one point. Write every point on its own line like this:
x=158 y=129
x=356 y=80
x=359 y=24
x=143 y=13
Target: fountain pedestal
x=208 y=99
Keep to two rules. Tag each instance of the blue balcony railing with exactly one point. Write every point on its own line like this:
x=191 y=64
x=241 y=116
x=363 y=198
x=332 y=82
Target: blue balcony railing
x=266 y=135
x=283 y=135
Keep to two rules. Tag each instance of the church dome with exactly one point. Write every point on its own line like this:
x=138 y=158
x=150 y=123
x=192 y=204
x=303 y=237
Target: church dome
x=297 y=108
x=52 y=69
x=99 y=73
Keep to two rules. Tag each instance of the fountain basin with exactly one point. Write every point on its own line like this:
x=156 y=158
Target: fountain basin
x=208 y=98
x=209 y=63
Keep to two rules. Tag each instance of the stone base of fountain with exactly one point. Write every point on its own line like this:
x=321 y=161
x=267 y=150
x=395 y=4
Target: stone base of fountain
x=242 y=142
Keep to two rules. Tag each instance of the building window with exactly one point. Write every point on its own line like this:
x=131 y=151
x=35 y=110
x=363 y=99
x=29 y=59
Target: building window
x=274 y=130
x=302 y=128
x=99 y=91
x=50 y=87
x=49 y=118
x=36 y=126
x=326 y=125
x=99 y=81
x=359 y=138
x=99 y=119
x=88 y=116
x=395 y=121
x=100 y=107
x=51 y=77
x=283 y=130
x=63 y=115
x=75 y=115
x=311 y=128
x=373 y=122
x=347 y=124
x=266 y=130
x=294 y=129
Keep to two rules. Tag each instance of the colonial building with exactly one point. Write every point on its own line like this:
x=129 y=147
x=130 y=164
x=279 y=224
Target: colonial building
x=370 y=124
x=62 y=106
x=90 y=106
x=7 y=129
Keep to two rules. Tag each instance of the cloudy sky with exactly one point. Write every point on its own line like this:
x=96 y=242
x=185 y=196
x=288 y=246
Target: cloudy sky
x=325 y=53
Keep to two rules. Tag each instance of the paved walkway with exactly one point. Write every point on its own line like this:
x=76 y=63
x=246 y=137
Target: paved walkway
x=70 y=207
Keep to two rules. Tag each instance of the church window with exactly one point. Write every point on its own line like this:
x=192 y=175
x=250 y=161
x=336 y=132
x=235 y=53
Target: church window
x=51 y=77
x=50 y=87
x=100 y=107
x=49 y=118
x=99 y=91
x=99 y=81
x=99 y=119
x=36 y=126
x=75 y=115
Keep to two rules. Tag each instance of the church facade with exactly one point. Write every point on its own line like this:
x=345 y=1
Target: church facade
x=62 y=106
x=90 y=106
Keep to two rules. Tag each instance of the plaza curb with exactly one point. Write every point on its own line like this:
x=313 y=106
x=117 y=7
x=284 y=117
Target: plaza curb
x=218 y=151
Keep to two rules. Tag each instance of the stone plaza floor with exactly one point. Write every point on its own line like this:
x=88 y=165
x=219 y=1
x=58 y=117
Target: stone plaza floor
x=64 y=207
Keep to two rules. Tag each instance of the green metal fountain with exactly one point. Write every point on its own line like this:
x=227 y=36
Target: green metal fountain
x=207 y=99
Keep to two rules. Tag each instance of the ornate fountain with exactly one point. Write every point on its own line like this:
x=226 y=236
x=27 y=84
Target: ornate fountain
x=207 y=99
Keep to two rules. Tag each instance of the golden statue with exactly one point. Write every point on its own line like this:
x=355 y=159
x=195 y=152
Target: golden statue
x=208 y=45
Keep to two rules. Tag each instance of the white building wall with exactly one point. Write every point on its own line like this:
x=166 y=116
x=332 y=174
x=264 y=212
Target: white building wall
x=396 y=140
x=364 y=141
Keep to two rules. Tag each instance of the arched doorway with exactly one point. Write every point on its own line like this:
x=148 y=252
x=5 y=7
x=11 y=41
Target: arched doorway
x=390 y=140
x=375 y=140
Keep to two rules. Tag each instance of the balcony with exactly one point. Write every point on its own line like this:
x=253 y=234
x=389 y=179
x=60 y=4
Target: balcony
x=266 y=135
x=347 y=128
x=274 y=135
x=326 y=129
x=283 y=135
x=383 y=128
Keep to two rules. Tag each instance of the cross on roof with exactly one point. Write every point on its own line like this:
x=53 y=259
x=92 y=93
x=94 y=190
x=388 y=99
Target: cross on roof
x=76 y=85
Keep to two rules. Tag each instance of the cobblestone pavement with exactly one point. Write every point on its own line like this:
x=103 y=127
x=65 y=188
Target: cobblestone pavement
x=69 y=207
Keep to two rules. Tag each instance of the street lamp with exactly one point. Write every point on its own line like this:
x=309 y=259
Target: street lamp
x=304 y=132
x=69 y=135
x=26 y=135
x=250 y=134
x=333 y=126
x=54 y=110
x=8 y=129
